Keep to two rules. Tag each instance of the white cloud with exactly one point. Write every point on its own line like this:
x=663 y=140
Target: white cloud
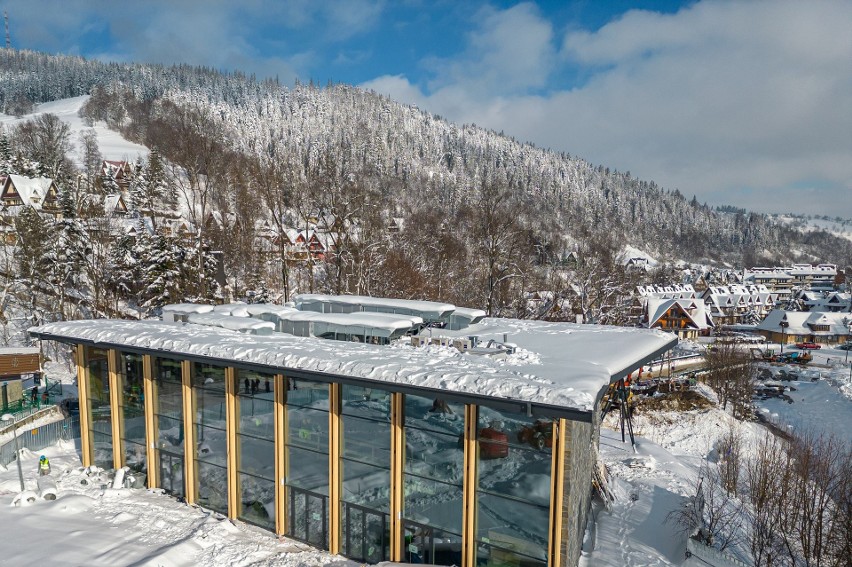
x=748 y=103
x=510 y=51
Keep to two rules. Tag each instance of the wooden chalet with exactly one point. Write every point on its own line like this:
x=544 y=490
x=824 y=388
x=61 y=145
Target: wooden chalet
x=40 y=193
x=120 y=171
x=687 y=318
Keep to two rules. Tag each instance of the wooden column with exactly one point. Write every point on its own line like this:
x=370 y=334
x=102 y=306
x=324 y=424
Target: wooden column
x=397 y=551
x=85 y=406
x=471 y=451
x=189 y=468
x=557 y=491
x=335 y=476
x=232 y=420
x=116 y=405
x=282 y=461
x=149 y=395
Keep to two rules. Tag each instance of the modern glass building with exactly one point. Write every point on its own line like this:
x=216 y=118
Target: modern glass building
x=378 y=453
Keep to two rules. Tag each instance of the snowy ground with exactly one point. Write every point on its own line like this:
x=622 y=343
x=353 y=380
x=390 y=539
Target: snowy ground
x=95 y=525
x=111 y=144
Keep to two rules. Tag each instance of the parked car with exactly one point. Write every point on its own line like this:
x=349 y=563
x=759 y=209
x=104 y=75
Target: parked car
x=847 y=346
x=808 y=346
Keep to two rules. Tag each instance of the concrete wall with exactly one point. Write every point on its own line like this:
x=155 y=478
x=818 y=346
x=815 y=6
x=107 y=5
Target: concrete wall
x=581 y=448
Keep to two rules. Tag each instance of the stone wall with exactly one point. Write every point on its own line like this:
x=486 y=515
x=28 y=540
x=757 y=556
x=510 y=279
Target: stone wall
x=581 y=448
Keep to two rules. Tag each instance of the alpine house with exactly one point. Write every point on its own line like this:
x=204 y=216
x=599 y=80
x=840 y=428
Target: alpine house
x=468 y=445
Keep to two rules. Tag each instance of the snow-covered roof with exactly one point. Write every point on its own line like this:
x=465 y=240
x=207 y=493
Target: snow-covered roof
x=5 y=351
x=427 y=309
x=799 y=322
x=186 y=308
x=258 y=309
x=696 y=310
x=232 y=309
x=560 y=366
x=242 y=324
x=31 y=191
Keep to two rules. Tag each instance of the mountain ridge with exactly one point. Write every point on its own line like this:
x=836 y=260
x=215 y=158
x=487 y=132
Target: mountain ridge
x=362 y=158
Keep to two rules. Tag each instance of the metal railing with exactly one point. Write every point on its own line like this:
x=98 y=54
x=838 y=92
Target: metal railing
x=37 y=438
x=711 y=556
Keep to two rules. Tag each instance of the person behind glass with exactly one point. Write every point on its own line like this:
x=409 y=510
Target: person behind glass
x=43 y=466
x=267 y=386
x=247 y=384
x=34 y=395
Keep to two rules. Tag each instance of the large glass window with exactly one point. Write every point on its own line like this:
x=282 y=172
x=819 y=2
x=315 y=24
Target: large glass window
x=433 y=481
x=168 y=410
x=513 y=490
x=365 y=463
x=256 y=448
x=132 y=416
x=307 y=462
x=211 y=451
x=100 y=413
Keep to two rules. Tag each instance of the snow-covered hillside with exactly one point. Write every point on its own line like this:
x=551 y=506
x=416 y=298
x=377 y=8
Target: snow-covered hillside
x=111 y=144
x=836 y=226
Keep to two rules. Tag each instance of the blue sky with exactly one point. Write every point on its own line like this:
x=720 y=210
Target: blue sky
x=737 y=102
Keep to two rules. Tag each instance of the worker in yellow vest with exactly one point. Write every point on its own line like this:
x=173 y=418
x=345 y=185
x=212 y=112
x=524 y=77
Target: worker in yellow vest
x=43 y=466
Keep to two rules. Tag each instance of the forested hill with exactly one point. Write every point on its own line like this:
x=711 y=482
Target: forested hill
x=406 y=162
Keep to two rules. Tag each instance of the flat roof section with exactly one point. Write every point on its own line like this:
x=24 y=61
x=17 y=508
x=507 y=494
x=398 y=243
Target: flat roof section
x=557 y=365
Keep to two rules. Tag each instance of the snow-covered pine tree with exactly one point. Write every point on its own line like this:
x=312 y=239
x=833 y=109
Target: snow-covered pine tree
x=65 y=260
x=160 y=278
x=122 y=275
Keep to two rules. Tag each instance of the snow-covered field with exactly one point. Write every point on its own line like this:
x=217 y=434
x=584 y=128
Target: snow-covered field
x=112 y=146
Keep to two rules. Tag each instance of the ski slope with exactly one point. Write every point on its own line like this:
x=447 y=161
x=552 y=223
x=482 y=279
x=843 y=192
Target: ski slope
x=111 y=144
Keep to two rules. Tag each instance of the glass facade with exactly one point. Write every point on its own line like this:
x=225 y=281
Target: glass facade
x=433 y=481
x=513 y=489
x=100 y=411
x=211 y=450
x=256 y=447
x=168 y=417
x=307 y=446
x=132 y=416
x=365 y=464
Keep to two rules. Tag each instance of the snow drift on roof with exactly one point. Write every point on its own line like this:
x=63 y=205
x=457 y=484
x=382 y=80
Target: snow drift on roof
x=570 y=366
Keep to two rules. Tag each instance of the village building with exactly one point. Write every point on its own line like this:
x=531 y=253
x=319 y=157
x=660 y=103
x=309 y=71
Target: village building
x=738 y=304
x=15 y=364
x=784 y=281
x=119 y=171
x=686 y=318
x=824 y=328
x=40 y=193
x=478 y=453
x=832 y=301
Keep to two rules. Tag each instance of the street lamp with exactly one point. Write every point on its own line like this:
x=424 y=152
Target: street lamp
x=784 y=325
x=7 y=417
